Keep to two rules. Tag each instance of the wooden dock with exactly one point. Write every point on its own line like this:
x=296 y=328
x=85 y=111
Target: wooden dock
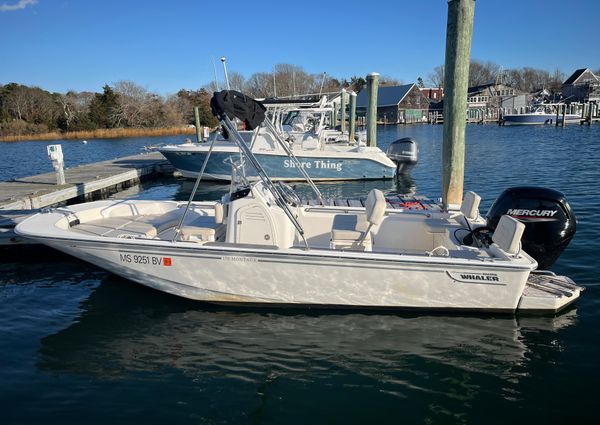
x=84 y=183
x=21 y=197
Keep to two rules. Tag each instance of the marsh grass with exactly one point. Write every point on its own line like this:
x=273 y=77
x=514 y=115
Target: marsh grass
x=106 y=133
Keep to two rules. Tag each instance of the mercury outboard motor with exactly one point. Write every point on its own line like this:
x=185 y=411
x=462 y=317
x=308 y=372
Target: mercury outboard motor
x=404 y=153
x=549 y=221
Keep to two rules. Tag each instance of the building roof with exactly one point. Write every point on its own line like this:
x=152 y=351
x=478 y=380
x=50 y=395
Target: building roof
x=575 y=76
x=477 y=89
x=387 y=96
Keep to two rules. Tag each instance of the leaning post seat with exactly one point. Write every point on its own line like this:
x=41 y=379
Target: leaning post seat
x=353 y=231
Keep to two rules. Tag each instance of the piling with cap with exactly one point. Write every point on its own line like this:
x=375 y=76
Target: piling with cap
x=352 y=116
x=372 y=90
x=198 y=128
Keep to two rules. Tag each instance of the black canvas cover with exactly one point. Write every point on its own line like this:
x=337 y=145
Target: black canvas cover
x=237 y=105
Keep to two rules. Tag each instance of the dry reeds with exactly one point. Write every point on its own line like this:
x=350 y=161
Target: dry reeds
x=104 y=133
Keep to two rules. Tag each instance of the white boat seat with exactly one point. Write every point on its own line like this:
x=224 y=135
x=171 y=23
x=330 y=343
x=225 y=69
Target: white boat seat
x=507 y=235
x=349 y=228
x=470 y=205
x=354 y=231
x=197 y=234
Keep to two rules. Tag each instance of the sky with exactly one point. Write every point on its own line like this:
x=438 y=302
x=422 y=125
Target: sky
x=62 y=45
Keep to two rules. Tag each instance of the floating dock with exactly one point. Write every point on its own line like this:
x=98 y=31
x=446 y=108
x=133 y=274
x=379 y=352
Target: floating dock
x=89 y=182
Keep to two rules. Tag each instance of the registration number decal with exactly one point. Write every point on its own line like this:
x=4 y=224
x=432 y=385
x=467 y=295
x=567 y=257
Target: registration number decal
x=150 y=260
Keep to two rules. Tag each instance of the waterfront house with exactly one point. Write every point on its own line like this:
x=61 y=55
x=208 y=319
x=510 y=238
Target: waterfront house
x=397 y=104
x=483 y=101
x=582 y=86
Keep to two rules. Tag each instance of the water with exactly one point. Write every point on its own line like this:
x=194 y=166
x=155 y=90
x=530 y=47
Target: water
x=79 y=345
x=33 y=153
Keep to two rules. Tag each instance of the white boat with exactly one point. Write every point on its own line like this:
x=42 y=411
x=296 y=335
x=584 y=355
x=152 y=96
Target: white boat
x=261 y=246
x=302 y=127
x=539 y=115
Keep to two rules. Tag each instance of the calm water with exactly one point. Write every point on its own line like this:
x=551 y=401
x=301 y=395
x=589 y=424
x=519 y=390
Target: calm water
x=79 y=345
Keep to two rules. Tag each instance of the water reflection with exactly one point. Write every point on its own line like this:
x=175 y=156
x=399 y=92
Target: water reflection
x=125 y=329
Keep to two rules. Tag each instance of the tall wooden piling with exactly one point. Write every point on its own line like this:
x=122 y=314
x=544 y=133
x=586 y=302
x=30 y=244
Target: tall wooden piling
x=564 y=113
x=352 y=116
x=372 y=90
x=459 y=34
x=198 y=128
x=343 y=110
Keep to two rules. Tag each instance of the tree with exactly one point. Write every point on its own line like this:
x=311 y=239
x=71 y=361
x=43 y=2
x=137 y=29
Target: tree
x=185 y=101
x=436 y=77
x=357 y=83
x=420 y=83
x=481 y=73
x=386 y=80
x=104 y=109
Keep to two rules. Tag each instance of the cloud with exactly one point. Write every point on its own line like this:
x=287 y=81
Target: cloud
x=21 y=4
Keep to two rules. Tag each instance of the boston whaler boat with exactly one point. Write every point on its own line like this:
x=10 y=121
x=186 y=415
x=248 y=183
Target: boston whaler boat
x=299 y=126
x=260 y=246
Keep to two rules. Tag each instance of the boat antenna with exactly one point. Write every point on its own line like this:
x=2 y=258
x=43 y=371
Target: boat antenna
x=322 y=82
x=223 y=59
x=215 y=74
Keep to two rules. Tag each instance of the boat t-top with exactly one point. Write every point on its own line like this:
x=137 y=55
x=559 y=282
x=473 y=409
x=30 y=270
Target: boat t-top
x=261 y=245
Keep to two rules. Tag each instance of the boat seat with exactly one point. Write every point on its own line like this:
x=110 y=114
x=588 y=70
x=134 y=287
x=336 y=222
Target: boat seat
x=347 y=230
x=507 y=235
x=353 y=231
x=470 y=205
x=197 y=234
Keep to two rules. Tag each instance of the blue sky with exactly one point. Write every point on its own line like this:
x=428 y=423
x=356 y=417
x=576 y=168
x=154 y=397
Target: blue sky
x=167 y=45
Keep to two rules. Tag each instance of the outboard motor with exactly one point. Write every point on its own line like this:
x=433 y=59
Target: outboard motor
x=549 y=221
x=404 y=153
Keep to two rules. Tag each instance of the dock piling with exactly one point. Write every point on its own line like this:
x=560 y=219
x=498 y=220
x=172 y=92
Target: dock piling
x=343 y=110
x=458 y=50
x=372 y=90
x=352 y=116
x=198 y=128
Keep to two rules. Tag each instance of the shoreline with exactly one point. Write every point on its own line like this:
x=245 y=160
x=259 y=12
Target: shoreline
x=112 y=133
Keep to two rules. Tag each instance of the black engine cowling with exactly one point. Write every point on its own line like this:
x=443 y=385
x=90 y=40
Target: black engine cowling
x=549 y=221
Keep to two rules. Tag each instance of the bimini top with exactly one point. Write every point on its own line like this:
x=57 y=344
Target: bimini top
x=234 y=104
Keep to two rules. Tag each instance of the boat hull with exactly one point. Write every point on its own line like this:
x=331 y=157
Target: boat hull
x=273 y=278
x=537 y=119
x=281 y=167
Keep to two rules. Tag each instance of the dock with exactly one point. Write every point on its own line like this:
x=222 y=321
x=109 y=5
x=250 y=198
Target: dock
x=84 y=183
x=24 y=196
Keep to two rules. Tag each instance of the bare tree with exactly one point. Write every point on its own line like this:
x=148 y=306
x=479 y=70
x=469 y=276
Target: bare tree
x=436 y=77
x=483 y=73
x=135 y=104
x=386 y=80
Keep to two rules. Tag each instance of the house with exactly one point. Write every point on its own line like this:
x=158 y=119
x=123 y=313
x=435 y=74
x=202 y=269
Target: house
x=434 y=94
x=484 y=100
x=582 y=86
x=396 y=104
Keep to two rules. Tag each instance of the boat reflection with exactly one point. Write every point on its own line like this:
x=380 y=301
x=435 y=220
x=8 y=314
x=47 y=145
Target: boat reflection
x=125 y=328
